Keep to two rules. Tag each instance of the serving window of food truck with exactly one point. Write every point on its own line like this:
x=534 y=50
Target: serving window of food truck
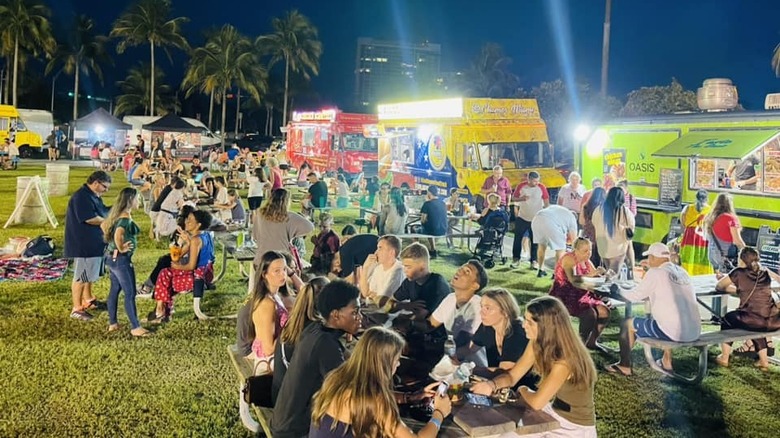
x=507 y=155
x=359 y=142
x=743 y=161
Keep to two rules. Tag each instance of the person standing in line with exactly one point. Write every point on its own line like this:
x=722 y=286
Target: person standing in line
x=121 y=234
x=498 y=184
x=611 y=222
x=595 y=183
x=693 y=245
x=529 y=198
x=570 y=195
x=724 y=234
x=84 y=242
x=433 y=217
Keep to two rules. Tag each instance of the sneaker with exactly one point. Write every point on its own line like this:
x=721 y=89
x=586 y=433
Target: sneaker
x=515 y=264
x=96 y=305
x=81 y=315
x=541 y=274
x=534 y=265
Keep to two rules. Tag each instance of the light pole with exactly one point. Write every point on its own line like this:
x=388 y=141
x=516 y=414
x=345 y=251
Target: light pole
x=53 y=80
x=605 y=49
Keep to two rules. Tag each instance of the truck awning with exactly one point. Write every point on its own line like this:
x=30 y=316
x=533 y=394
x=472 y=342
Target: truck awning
x=726 y=144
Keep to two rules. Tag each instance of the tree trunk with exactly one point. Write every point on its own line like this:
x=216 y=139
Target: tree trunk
x=151 y=89
x=211 y=109
x=224 y=108
x=76 y=94
x=16 y=66
x=267 y=119
x=286 y=85
x=271 y=125
x=238 y=109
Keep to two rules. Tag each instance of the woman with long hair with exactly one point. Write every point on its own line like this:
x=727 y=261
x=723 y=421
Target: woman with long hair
x=568 y=376
x=121 y=235
x=756 y=312
x=501 y=331
x=613 y=223
x=357 y=400
x=392 y=217
x=595 y=201
x=693 y=244
x=569 y=287
x=723 y=233
x=302 y=314
x=269 y=315
x=165 y=221
x=275 y=226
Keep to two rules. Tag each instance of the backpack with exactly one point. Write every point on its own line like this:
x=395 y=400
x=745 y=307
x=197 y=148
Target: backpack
x=41 y=246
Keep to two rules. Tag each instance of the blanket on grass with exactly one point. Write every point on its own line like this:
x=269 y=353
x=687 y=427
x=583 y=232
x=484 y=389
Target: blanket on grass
x=46 y=269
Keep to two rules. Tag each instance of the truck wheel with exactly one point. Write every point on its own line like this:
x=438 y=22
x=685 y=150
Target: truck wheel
x=25 y=151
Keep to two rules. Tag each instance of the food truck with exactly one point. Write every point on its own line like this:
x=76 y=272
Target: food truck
x=13 y=126
x=667 y=159
x=457 y=142
x=330 y=139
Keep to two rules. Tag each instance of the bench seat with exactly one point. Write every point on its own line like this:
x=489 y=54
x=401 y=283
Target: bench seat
x=244 y=369
x=702 y=344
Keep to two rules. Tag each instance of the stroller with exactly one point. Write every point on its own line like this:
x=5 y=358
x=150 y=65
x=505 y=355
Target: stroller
x=490 y=246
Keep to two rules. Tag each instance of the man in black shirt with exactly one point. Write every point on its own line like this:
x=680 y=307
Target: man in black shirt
x=422 y=291
x=743 y=174
x=197 y=170
x=316 y=354
x=433 y=217
x=318 y=195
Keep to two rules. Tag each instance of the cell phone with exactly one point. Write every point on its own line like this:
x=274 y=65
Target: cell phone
x=440 y=391
x=478 y=400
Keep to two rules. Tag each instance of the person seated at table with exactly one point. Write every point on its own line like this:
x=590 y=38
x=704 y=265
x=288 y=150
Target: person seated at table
x=382 y=273
x=317 y=352
x=501 y=332
x=176 y=167
x=346 y=406
x=221 y=199
x=552 y=227
x=393 y=216
x=326 y=245
x=433 y=217
x=191 y=272
x=234 y=206
x=568 y=376
x=353 y=253
x=581 y=303
x=757 y=310
x=197 y=169
x=459 y=312
x=674 y=312
x=138 y=173
x=342 y=192
x=274 y=226
x=209 y=190
x=302 y=315
x=422 y=291
x=318 y=196
x=147 y=288
x=165 y=220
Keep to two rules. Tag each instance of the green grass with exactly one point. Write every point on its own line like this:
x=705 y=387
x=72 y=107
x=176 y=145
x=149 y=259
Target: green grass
x=67 y=378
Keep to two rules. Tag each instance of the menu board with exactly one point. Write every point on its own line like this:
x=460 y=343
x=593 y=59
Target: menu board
x=768 y=245
x=772 y=167
x=670 y=186
x=705 y=173
x=614 y=167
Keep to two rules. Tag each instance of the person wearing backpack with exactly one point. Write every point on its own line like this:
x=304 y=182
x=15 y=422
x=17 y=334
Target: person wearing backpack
x=121 y=235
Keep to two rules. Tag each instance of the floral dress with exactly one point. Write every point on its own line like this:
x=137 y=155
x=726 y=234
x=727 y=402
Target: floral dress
x=693 y=245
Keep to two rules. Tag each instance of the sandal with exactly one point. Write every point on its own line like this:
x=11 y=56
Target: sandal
x=615 y=369
x=660 y=363
x=747 y=347
x=140 y=332
x=761 y=367
x=113 y=328
x=719 y=360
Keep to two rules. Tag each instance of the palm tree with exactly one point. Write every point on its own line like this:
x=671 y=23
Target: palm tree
x=24 y=24
x=295 y=41
x=489 y=74
x=147 y=22
x=776 y=60
x=227 y=60
x=136 y=93
x=83 y=53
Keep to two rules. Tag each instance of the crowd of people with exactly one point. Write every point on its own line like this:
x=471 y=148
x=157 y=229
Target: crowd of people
x=300 y=322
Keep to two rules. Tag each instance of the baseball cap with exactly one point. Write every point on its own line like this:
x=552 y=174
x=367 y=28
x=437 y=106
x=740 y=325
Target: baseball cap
x=658 y=249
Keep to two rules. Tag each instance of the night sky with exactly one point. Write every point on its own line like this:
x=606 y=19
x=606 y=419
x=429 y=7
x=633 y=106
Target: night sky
x=652 y=41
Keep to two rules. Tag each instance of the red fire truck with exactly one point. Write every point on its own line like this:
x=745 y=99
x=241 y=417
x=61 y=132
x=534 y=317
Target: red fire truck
x=330 y=139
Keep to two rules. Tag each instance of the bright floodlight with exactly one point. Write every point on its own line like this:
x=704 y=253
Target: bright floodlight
x=581 y=132
x=99 y=129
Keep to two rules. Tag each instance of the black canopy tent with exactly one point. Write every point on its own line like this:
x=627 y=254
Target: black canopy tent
x=171 y=123
x=102 y=120
x=99 y=125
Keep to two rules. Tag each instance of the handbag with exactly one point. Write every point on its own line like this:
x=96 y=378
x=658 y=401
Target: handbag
x=257 y=388
x=728 y=259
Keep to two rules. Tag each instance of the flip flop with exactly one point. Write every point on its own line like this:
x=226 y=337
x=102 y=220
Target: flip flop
x=144 y=334
x=113 y=328
x=614 y=369
x=660 y=363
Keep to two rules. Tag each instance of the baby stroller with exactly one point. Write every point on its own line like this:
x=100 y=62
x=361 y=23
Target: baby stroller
x=490 y=246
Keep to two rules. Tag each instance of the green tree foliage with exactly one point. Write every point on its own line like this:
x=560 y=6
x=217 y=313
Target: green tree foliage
x=563 y=109
x=136 y=94
x=489 y=75
x=24 y=26
x=228 y=59
x=83 y=52
x=295 y=40
x=148 y=22
x=660 y=99
x=776 y=60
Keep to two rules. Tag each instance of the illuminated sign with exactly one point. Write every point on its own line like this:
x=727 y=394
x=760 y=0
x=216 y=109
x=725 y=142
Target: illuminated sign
x=324 y=115
x=502 y=109
x=427 y=109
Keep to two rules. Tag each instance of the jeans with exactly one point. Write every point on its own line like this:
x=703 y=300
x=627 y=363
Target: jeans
x=122 y=275
x=521 y=227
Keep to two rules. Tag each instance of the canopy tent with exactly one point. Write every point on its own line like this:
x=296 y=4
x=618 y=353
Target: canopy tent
x=171 y=123
x=724 y=144
x=100 y=119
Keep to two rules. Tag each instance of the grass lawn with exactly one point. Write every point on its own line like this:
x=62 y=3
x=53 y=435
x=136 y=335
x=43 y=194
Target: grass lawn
x=68 y=378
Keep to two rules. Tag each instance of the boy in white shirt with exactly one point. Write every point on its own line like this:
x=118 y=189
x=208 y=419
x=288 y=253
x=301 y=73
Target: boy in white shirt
x=382 y=273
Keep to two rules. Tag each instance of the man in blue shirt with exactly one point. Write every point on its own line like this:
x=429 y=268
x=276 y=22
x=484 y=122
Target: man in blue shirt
x=84 y=241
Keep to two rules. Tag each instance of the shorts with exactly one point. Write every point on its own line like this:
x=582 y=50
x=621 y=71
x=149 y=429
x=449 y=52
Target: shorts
x=648 y=328
x=254 y=202
x=548 y=234
x=87 y=269
x=137 y=182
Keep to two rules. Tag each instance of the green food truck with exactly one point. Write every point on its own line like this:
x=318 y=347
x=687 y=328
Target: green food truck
x=667 y=159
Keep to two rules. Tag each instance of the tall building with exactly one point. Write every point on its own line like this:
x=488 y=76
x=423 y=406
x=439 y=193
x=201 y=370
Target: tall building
x=393 y=71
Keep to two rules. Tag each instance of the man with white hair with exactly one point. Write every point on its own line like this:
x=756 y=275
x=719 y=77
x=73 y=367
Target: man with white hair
x=674 y=313
x=498 y=184
x=570 y=195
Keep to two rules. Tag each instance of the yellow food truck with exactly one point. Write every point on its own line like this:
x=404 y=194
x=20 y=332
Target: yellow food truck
x=667 y=159
x=457 y=142
x=12 y=126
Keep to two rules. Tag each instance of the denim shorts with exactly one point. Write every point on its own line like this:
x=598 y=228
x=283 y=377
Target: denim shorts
x=648 y=328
